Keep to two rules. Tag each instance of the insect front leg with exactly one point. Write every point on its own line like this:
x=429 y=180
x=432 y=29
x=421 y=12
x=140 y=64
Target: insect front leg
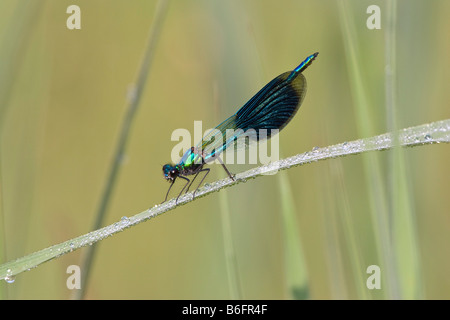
x=167 y=194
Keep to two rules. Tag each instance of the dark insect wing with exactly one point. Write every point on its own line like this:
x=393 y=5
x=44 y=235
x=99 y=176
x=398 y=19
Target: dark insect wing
x=274 y=106
x=271 y=108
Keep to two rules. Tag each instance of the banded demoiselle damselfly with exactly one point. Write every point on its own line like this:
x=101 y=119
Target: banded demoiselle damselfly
x=270 y=109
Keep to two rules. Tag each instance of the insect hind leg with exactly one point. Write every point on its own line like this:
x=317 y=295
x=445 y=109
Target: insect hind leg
x=226 y=170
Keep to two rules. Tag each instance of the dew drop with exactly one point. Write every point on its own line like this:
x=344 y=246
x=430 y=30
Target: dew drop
x=427 y=137
x=9 y=276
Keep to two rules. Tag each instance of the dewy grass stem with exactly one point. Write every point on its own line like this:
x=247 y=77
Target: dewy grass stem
x=432 y=133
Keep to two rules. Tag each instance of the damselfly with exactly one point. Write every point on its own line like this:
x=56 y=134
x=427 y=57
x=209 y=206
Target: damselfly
x=271 y=108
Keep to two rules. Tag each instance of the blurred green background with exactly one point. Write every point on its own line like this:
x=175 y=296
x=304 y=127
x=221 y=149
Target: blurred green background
x=63 y=95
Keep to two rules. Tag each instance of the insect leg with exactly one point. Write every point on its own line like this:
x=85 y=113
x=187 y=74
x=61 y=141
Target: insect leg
x=207 y=171
x=167 y=194
x=183 y=187
x=193 y=179
x=226 y=170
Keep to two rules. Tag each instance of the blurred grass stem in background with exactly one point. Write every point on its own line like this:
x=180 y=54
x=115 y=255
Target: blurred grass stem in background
x=377 y=192
x=134 y=97
x=13 y=45
x=402 y=219
x=296 y=272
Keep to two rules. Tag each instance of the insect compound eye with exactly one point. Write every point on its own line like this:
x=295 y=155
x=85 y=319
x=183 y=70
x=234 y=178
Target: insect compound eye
x=166 y=169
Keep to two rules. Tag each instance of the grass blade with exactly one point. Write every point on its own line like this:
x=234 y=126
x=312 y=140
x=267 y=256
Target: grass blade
x=234 y=282
x=401 y=207
x=294 y=261
x=432 y=133
x=375 y=184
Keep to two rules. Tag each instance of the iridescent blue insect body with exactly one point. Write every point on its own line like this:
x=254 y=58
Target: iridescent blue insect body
x=271 y=108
